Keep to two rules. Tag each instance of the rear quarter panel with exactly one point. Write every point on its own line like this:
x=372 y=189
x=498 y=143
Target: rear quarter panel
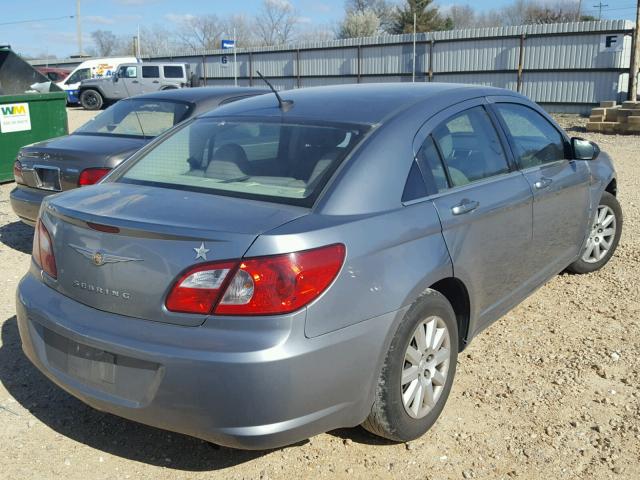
x=391 y=258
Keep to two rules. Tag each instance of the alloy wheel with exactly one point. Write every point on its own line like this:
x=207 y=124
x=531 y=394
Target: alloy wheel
x=601 y=236
x=426 y=365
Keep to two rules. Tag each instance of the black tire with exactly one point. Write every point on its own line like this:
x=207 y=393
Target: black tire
x=582 y=266
x=91 y=99
x=388 y=417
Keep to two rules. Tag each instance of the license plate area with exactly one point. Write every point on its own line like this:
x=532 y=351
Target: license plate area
x=47 y=178
x=128 y=378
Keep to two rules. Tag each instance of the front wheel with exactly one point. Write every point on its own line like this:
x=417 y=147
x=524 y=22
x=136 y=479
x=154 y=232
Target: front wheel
x=91 y=100
x=418 y=371
x=604 y=236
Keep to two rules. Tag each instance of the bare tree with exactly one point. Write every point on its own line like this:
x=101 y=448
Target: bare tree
x=461 y=16
x=106 y=43
x=197 y=33
x=277 y=22
x=317 y=33
x=245 y=28
x=359 y=24
x=156 y=40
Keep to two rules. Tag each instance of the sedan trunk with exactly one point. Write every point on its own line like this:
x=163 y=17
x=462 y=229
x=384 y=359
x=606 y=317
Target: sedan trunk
x=119 y=248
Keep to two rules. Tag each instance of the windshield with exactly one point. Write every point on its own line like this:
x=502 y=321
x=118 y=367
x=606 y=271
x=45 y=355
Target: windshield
x=248 y=158
x=139 y=118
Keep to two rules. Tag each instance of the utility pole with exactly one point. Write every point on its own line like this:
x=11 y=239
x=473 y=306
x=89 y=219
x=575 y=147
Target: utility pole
x=599 y=7
x=579 y=13
x=78 y=27
x=413 y=72
x=633 y=71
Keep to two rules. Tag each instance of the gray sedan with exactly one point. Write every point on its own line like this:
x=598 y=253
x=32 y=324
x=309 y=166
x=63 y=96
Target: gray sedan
x=84 y=157
x=282 y=267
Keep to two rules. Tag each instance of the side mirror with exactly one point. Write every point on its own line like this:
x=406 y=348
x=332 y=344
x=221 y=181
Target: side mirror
x=115 y=76
x=584 y=149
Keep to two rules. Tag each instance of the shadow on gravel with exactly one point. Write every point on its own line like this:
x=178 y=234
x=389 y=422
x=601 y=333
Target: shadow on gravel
x=17 y=235
x=72 y=418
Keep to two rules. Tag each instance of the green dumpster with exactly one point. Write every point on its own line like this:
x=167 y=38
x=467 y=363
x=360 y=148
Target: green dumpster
x=32 y=109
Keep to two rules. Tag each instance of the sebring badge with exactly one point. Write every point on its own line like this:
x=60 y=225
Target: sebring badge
x=99 y=258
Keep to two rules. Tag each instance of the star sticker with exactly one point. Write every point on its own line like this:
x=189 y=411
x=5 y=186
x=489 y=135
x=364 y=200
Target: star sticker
x=201 y=252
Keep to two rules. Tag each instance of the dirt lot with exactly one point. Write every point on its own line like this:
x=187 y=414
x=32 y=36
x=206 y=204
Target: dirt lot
x=552 y=390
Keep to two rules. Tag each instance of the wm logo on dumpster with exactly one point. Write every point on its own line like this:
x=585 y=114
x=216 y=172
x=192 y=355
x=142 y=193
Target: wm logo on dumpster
x=13 y=110
x=14 y=117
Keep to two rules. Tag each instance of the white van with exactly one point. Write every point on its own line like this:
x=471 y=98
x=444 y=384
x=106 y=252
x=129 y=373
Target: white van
x=95 y=68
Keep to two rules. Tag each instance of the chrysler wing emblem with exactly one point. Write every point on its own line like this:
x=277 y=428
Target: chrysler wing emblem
x=99 y=258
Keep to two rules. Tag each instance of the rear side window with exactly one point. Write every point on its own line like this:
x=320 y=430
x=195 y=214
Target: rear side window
x=279 y=161
x=150 y=72
x=415 y=187
x=470 y=147
x=535 y=139
x=431 y=166
x=172 y=71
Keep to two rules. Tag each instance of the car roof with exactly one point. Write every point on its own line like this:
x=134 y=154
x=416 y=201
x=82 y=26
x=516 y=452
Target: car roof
x=360 y=103
x=198 y=94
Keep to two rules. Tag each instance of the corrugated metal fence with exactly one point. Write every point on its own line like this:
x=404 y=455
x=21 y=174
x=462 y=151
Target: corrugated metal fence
x=565 y=67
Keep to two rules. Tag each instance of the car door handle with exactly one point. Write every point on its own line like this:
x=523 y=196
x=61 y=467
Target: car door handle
x=156 y=81
x=135 y=81
x=544 y=182
x=465 y=206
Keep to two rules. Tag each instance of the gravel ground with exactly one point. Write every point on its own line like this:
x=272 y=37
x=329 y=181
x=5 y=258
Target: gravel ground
x=549 y=391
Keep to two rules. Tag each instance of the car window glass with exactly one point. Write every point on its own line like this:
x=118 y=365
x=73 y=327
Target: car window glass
x=431 y=166
x=259 y=141
x=129 y=72
x=470 y=147
x=79 y=75
x=137 y=117
x=248 y=158
x=172 y=71
x=415 y=187
x=536 y=141
x=150 y=71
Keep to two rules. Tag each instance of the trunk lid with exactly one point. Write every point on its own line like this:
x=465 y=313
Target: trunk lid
x=160 y=234
x=56 y=164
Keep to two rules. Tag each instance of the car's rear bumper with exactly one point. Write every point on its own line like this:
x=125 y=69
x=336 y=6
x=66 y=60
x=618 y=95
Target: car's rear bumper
x=217 y=382
x=26 y=201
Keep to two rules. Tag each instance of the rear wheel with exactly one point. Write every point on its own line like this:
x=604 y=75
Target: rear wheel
x=418 y=371
x=91 y=100
x=604 y=236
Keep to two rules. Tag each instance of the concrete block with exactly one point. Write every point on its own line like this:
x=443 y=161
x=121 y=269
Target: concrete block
x=596 y=118
x=599 y=111
x=611 y=115
x=594 y=126
x=608 y=104
x=609 y=127
x=633 y=120
x=625 y=112
x=631 y=104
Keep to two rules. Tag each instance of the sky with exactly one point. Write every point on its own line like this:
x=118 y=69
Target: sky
x=58 y=37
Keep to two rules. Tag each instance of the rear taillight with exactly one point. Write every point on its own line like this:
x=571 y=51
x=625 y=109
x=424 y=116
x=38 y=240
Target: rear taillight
x=43 y=250
x=90 y=176
x=17 y=172
x=257 y=286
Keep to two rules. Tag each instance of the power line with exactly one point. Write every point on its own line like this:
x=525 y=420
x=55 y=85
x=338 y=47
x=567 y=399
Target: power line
x=38 y=20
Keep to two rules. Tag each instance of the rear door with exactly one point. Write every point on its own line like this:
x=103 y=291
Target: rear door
x=560 y=185
x=484 y=205
x=150 y=81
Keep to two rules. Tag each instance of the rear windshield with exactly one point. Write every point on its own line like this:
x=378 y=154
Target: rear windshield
x=249 y=158
x=137 y=118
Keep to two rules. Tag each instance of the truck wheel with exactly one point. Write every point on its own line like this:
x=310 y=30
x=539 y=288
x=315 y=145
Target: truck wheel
x=604 y=235
x=91 y=99
x=418 y=371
